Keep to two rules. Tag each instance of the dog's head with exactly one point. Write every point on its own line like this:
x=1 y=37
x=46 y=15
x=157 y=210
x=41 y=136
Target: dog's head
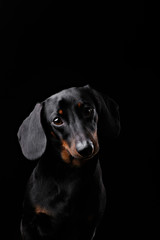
x=70 y=120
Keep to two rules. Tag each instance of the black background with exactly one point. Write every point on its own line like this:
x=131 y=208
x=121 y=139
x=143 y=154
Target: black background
x=47 y=47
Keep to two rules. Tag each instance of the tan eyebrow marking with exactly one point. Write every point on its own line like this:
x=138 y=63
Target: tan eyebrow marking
x=79 y=104
x=60 y=111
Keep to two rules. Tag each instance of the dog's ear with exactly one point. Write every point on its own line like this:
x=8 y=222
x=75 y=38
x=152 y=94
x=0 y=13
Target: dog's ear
x=31 y=135
x=108 y=114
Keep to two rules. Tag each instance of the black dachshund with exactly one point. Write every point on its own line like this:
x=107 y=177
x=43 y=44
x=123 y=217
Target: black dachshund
x=65 y=197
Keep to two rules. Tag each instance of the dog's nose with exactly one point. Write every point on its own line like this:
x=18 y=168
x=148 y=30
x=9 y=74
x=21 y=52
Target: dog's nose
x=85 y=148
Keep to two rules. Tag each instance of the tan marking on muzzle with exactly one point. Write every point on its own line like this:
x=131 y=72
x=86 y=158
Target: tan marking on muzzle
x=95 y=141
x=65 y=155
x=72 y=150
x=70 y=154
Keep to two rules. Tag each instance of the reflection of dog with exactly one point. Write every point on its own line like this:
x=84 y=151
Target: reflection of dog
x=65 y=197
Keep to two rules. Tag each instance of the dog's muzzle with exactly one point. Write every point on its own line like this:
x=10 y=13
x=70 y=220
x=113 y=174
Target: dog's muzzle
x=85 y=148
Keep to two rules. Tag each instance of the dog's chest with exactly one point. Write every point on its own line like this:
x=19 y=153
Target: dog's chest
x=67 y=198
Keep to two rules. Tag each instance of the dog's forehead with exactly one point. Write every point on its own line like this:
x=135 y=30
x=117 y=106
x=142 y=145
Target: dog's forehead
x=67 y=97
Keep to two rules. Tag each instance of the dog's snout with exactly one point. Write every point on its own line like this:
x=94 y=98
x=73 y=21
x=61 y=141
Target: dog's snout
x=85 y=148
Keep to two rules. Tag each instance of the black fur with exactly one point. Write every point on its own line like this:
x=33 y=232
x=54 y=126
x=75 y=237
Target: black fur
x=65 y=196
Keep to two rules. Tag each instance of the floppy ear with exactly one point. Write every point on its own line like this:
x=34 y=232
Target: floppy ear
x=108 y=114
x=31 y=136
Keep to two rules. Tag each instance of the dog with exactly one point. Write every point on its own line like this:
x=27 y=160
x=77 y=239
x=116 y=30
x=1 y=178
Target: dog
x=65 y=196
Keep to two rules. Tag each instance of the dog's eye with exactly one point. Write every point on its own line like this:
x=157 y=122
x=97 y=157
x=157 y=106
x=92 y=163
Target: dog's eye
x=57 y=121
x=88 y=111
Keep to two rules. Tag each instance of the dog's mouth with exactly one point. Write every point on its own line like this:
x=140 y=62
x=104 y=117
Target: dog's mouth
x=81 y=161
x=80 y=157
